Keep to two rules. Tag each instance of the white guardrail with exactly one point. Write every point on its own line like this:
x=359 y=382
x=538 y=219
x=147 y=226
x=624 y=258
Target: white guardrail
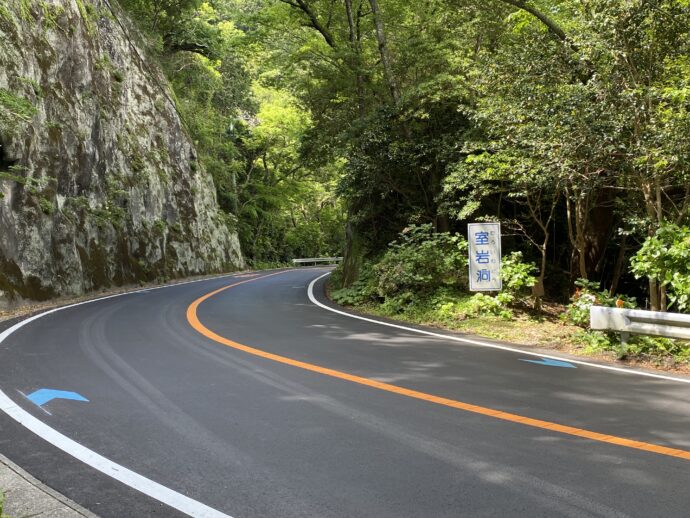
x=639 y=322
x=315 y=260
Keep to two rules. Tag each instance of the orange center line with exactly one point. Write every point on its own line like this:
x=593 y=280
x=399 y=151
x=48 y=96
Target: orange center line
x=194 y=321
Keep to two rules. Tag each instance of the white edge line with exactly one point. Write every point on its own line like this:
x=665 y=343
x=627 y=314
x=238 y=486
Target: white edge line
x=128 y=477
x=313 y=299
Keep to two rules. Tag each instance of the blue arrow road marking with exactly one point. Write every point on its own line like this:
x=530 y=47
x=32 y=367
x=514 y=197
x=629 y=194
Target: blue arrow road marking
x=43 y=396
x=551 y=363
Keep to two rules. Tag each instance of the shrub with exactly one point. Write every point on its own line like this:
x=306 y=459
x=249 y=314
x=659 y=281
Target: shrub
x=361 y=291
x=659 y=347
x=637 y=346
x=518 y=278
x=597 y=341
x=481 y=304
x=590 y=294
x=665 y=257
x=400 y=303
x=421 y=261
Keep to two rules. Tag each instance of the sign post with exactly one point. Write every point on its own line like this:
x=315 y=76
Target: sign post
x=484 y=240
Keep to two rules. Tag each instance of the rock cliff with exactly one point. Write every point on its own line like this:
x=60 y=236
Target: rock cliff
x=99 y=181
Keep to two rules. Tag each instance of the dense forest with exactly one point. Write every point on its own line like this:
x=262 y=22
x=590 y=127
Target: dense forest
x=335 y=125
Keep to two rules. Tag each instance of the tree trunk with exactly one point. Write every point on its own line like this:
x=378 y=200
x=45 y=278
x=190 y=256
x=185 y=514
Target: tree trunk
x=538 y=290
x=385 y=53
x=580 y=228
x=654 y=297
x=578 y=263
x=356 y=47
x=352 y=262
x=657 y=298
x=618 y=268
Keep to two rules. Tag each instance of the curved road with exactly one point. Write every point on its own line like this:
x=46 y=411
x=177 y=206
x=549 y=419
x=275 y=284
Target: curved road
x=252 y=401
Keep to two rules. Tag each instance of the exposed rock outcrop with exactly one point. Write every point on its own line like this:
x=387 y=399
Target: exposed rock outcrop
x=99 y=180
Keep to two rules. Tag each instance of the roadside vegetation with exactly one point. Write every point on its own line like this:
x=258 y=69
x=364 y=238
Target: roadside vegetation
x=422 y=279
x=378 y=129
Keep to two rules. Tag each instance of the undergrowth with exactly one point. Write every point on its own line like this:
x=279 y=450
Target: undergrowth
x=420 y=279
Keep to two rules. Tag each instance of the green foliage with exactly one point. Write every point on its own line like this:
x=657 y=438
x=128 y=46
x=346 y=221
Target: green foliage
x=396 y=163
x=5 y=14
x=659 y=347
x=590 y=294
x=159 y=18
x=270 y=265
x=574 y=136
x=109 y=216
x=79 y=203
x=160 y=226
x=14 y=174
x=665 y=257
x=449 y=306
x=482 y=305
x=104 y=64
x=51 y=14
x=248 y=131
x=421 y=261
x=86 y=11
x=25 y=10
x=35 y=87
x=362 y=291
x=597 y=341
x=425 y=271
x=518 y=277
x=2 y=505
x=637 y=347
x=14 y=110
x=118 y=75
x=46 y=206
x=402 y=302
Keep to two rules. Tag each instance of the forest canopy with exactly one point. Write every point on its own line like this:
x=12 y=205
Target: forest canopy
x=330 y=126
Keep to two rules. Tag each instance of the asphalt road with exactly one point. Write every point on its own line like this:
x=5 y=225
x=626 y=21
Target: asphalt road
x=322 y=415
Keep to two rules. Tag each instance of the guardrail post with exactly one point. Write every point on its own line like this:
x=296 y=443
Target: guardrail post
x=623 y=351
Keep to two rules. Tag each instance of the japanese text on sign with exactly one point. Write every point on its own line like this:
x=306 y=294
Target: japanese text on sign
x=484 y=240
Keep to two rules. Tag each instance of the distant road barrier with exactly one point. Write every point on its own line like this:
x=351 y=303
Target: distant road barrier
x=639 y=322
x=317 y=260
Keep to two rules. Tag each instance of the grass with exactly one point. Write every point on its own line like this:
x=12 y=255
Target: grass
x=2 y=505
x=523 y=326
x=25 y=10
x=86 y=12
x=5 y=14
x=14 y=109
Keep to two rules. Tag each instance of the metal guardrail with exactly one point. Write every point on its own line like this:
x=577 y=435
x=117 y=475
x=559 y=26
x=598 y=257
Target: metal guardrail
x=639 y=322
x=316 y=260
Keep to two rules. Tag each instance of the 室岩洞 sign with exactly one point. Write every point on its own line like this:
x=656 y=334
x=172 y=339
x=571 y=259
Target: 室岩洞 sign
x=484 y=240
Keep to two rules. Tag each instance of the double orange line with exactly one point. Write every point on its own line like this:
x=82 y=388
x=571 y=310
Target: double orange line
x=194 y=321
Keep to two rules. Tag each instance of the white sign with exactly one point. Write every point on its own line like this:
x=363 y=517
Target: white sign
x=484 y=241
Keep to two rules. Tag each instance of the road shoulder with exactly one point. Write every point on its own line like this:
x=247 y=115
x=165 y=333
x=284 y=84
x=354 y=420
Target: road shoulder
x=26 y=496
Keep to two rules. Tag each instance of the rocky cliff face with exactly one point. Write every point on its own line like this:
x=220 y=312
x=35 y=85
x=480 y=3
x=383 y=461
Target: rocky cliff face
x=99 y=181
